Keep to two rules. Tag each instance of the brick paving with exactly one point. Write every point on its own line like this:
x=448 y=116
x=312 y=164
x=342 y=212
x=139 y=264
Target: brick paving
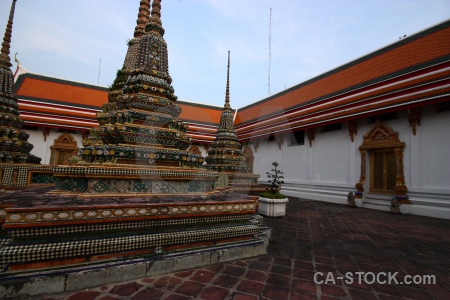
x=313 y=237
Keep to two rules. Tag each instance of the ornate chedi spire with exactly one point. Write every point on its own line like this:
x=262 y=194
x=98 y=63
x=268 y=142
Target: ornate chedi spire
x=141 y=126
x=4 y=56
x=132 y=53
x=227 y=90
x=143 y=16
x=14 y=147
x=156 y=10
x=225 y=154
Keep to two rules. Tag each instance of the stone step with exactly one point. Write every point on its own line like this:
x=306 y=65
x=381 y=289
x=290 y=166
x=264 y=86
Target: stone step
x=378 y=202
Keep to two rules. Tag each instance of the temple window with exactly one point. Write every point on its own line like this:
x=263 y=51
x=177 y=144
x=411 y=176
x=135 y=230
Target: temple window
x=384 y=117
x=67 y=131
x=297 y=138
x=29 y=127
x=332 y=127
x=443 y=106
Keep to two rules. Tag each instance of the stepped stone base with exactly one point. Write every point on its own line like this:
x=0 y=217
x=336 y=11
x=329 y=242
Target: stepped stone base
x=77 y=278
x=73 y=230
x=89 y=238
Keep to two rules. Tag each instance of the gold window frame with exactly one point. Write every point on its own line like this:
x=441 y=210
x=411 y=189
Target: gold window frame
x=381 y=136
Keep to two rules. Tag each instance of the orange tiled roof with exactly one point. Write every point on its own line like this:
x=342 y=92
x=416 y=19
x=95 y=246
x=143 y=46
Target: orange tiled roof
x=62 y=91
x=53 y=102
x=413 y=51
x=419 y=87
x=199 y=113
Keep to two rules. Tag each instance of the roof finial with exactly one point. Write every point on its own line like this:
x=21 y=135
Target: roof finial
x=156 y=9
x=4 y=56
x=143 y=17
x=227 y=92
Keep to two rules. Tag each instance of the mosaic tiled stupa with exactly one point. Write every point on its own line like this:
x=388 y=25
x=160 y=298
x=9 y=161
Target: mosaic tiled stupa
x=134 y=199
x=140 y=124
x=225 y=154
x=14 y=147
x=139 y=136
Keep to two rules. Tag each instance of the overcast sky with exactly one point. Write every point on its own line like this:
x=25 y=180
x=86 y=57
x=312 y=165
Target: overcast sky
x=67 y=39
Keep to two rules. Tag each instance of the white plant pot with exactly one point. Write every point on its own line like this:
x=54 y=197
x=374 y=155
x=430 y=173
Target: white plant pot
x=272 y=207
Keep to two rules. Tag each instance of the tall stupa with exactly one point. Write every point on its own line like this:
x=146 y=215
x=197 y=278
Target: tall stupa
x=14 y=147
x=140 y=142
x=140 y=124
x=134 y=199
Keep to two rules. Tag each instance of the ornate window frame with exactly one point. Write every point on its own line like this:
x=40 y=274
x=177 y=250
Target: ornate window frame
x=382 y=136
x=63 y=142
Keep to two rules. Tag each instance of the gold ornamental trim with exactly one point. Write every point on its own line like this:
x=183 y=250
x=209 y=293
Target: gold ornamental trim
x=112 y=213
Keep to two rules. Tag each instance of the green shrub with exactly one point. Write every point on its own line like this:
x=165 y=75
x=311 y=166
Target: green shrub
x=271 y=195
x=275 y=178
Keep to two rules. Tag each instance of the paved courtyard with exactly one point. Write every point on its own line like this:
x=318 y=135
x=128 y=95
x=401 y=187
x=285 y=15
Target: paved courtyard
x=319 y=242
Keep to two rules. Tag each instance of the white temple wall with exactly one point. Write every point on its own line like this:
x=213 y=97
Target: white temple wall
x=42 y=146
x=320 y=172
x=331 y=154
x=294 y=162
x=427 y=165
x=329 y=169
x=266 y=153
x=431 y=147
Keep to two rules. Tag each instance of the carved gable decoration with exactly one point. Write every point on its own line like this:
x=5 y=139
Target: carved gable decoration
x=381 y=135
x=194 y=150
x=279 y=139
x=65 y=139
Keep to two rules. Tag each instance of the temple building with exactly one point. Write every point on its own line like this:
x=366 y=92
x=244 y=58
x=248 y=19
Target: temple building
x=376 y=126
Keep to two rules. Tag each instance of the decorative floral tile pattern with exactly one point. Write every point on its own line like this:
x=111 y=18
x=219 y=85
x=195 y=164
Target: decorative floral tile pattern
x=14 y=216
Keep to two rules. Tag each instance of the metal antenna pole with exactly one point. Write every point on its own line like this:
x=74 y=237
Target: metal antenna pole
x=99 y=68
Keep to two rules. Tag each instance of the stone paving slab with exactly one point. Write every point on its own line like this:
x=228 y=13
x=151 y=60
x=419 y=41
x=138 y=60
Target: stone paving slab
x=332 y=239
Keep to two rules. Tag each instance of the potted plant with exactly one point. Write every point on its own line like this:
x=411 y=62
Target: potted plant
x=273 y=203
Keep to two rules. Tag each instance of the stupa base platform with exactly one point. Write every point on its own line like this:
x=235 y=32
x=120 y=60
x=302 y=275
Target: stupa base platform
x=73 y=242
x=58 y=280
x=132 y=180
